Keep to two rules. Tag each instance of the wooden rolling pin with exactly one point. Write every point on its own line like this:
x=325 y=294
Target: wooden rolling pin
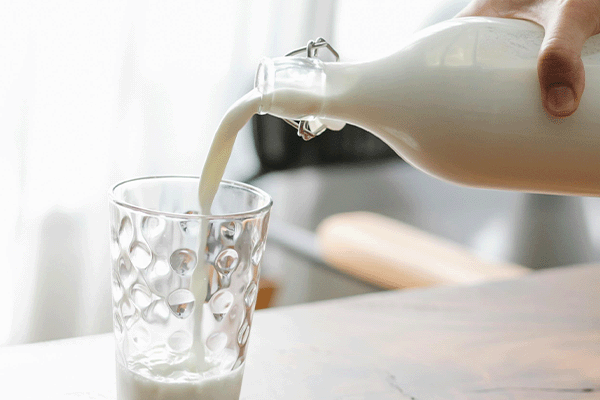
x=391 y=254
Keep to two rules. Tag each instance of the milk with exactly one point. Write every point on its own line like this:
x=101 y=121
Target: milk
x=134 y=386
x=236 y=117
x=156 y=374
x=460 y=101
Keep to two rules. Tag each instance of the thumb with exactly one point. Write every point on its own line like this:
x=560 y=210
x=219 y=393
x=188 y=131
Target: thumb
x=560 y=69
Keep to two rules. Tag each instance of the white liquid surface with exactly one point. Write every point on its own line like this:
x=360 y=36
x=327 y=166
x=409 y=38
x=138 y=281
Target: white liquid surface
x=133 y=386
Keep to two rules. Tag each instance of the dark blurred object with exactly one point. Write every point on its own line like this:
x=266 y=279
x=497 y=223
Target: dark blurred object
x=279 y=147
x=267 y=290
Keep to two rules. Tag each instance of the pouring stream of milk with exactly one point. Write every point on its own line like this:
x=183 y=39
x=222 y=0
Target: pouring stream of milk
x=236 y=117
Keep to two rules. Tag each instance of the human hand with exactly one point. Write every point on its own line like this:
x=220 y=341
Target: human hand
x=567 y=24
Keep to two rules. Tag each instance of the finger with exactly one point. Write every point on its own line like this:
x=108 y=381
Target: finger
x=560 y=69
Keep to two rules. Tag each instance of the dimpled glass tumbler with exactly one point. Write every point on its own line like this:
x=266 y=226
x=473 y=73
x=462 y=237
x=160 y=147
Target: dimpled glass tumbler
x=184 y=286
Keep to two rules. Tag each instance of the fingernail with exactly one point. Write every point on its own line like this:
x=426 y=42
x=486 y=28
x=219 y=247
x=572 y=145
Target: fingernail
x=560 y=99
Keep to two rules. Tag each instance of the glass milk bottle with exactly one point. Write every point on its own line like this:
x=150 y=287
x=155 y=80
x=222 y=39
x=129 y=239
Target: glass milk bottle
x=460 y=101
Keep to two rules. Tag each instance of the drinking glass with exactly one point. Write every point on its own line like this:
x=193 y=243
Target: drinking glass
x=184 y=286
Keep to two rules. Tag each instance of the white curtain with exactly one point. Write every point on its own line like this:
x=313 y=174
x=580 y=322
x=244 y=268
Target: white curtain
x=94 y=92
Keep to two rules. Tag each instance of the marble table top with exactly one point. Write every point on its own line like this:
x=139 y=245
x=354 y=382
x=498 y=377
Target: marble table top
x=536 y=337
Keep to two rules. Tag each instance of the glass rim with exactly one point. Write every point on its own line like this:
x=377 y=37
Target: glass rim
x=241 y=185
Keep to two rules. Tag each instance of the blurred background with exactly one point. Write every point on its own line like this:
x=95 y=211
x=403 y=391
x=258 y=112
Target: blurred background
x=92 y=93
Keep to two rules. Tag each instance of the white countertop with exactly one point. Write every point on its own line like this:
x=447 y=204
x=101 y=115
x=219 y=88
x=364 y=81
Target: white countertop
x=533 y=338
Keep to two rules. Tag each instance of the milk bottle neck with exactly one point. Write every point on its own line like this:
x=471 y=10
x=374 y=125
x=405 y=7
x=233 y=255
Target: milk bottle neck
x=323 y=93
x=291 y=87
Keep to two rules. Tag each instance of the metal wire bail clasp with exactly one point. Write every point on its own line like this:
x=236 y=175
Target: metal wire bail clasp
x=311 y=50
